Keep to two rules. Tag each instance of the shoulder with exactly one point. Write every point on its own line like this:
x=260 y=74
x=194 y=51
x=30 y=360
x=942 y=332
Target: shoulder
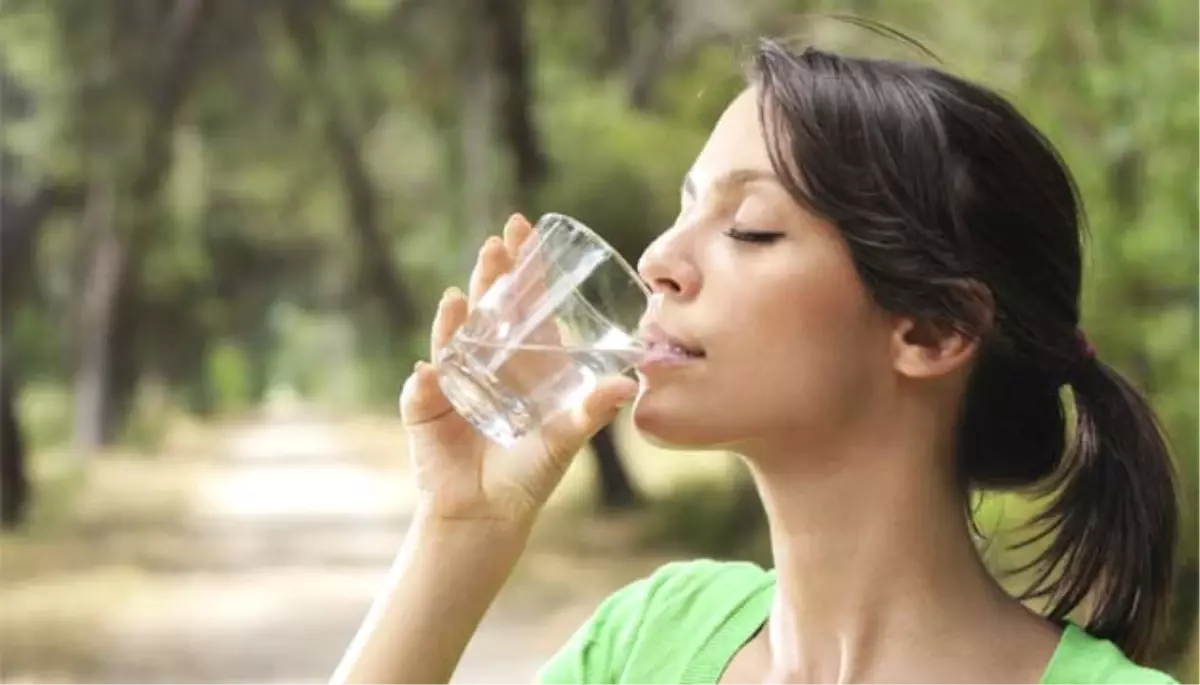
x=681 y=590
x=1084 y=658
x=683 y=586
x=687 y=589
x=676 y=602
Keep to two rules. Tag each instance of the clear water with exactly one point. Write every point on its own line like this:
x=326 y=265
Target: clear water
x=506 y=391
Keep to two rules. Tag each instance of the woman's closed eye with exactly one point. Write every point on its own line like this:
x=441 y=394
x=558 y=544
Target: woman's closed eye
x=753 y=236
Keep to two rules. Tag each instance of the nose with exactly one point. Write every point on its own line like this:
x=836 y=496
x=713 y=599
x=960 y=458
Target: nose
x=667 y=266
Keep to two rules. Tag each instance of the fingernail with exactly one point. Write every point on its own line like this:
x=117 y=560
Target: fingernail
x=420 y=367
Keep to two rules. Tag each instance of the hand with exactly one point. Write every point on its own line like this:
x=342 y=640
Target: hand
x=463 y=476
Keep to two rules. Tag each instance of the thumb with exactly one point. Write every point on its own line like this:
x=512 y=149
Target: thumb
x=601 y=405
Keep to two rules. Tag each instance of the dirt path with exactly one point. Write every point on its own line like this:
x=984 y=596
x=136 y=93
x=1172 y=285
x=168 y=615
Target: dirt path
x=296 y=535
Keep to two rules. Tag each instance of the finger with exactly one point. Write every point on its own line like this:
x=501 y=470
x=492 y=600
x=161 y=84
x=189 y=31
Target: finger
x=451 y=313
x=529 y=283
x=597 y=410
x=516 y=232
x=492 y=263
x=422 y=399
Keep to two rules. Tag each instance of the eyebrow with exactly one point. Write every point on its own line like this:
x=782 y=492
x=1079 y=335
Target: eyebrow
x=729 y=179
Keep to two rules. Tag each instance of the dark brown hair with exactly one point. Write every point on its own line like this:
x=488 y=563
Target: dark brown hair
x=936 y=182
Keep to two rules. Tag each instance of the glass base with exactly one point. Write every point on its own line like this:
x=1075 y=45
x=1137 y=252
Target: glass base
x=502 y=417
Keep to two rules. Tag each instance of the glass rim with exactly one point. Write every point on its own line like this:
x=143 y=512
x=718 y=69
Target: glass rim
x=612 y=252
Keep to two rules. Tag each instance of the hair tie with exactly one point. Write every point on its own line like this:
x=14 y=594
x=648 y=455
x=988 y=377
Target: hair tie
x=1087 y=353
x=1085 y=359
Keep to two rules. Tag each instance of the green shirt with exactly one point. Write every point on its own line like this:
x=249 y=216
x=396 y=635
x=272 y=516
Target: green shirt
x=684 y=623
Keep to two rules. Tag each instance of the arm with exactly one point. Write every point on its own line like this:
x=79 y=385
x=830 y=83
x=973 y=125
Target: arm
x=444 y=579
x=478 y=504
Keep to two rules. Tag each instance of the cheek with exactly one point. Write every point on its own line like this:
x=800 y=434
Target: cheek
x=819 y=330
x=807 y=348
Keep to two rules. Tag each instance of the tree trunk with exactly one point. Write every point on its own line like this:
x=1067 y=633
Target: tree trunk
x=124 y=358
x=383 y=281
x=652 y=55
x=97 y=304
x=476 y=107
x=514 y=102
x=14 y=481
x=616 y=487
x=107 y=375
x=617 y=40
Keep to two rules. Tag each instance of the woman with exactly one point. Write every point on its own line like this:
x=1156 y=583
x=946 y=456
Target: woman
x=874 y=280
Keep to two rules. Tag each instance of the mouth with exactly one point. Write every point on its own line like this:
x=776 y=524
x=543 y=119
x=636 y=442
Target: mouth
x=663 y=349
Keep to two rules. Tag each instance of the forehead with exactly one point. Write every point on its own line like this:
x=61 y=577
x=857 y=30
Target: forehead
x=736 y=142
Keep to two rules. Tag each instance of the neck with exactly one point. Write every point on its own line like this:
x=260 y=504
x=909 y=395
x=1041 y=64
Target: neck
x=873 y=555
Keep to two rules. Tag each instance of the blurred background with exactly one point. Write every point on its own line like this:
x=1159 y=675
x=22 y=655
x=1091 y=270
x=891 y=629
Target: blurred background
x=225 y=225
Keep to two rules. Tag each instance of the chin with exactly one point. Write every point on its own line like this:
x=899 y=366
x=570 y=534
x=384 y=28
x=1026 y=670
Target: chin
x=673 y=427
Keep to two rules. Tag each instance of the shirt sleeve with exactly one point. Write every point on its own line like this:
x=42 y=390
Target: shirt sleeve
x=677 y=607
x=594 y=654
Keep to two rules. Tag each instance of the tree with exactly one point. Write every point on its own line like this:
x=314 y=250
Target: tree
x=343 y=136
x=162 y=60
x=14 y=480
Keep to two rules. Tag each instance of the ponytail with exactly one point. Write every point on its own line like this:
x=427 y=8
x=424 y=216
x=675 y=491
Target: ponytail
x=1113 y=516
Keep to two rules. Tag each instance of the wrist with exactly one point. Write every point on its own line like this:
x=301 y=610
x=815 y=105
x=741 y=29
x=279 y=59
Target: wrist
x=489 y=535
x=447 y=573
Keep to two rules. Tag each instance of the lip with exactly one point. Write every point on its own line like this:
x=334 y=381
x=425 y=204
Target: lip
x=664 y=349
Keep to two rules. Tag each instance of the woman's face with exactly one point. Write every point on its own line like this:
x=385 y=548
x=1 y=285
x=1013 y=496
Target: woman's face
x=785 y=341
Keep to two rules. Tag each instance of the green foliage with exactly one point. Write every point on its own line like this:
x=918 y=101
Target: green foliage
x=45 y=409
x=229 y=376
x=617 y=169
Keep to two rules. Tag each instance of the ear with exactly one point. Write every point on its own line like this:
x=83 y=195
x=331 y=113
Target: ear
x=924 y=349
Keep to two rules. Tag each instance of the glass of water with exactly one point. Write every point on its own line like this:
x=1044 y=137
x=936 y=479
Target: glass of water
x=542 y=337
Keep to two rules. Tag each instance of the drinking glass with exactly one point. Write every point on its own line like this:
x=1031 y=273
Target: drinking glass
x=541 y=337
